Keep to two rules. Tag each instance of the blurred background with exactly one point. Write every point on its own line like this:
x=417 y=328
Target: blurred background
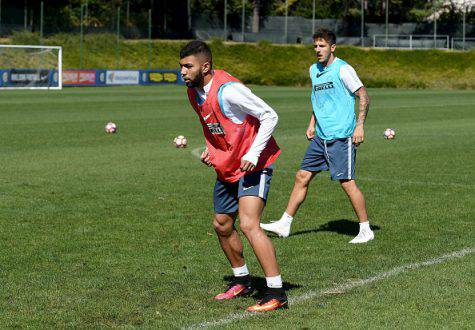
x=446 y=24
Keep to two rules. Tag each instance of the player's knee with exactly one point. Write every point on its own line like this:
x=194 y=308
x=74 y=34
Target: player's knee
x=302 y=178
x=222 y=226
x=222 y=230
x=348 y=185
x=247 y=226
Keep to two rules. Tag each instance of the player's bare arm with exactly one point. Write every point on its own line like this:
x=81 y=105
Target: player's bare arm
x=358 y=135
x=311 y=127
x=250 y=104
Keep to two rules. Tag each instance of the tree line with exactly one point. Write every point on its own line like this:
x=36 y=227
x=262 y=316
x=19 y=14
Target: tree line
x=170 y=18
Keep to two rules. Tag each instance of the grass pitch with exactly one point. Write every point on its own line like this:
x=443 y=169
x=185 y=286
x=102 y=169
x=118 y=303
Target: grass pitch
x=115 y=230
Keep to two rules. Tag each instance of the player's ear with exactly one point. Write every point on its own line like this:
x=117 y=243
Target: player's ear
x=206 y=67
x=333 y=47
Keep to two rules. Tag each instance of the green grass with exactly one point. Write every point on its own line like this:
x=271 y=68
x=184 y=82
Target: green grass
x=277 y=65
x=115 y=230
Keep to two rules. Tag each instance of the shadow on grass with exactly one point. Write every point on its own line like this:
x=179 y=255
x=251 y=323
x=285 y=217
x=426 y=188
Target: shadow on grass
x=342 y=226
x=259 y=284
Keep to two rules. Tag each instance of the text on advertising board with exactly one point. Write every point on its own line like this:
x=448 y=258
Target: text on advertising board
x=79 y=77
x=117 y=77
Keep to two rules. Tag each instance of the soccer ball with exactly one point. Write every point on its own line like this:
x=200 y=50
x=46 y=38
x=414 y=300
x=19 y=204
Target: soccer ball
x=180 y=141
x=110 y=128
x=389 y=133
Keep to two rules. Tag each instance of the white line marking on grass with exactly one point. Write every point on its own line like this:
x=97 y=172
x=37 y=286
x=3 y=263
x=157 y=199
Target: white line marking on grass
x=342 y=287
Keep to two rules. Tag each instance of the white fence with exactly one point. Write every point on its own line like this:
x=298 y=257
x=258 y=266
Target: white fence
x=411 y=41
x=463 y=43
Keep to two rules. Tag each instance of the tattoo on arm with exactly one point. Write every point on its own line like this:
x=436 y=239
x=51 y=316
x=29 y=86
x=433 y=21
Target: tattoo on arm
x=364 y=105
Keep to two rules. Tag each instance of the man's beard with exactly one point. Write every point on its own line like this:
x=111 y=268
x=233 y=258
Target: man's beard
x=195 y=82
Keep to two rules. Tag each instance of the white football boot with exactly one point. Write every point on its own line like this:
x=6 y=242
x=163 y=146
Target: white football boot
x=363 y=236
x=281 y=227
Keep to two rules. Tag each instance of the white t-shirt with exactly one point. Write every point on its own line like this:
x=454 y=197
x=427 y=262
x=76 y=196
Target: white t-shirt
x=349 y=78
x=237 y=102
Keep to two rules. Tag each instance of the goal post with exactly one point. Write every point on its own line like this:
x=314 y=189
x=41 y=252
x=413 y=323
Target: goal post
x=31 y=67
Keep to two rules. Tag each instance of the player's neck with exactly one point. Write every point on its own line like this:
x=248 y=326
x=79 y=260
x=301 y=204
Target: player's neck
x=206 y=79
x=330 y=61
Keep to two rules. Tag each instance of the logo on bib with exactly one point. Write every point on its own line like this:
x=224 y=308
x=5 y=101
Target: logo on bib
x=321 y=74
x=327 y=85
x=215 y=128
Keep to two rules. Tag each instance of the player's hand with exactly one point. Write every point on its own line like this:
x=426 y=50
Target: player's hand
x=310 y=133
x=205 y=158
x=358 y=135
x=246 y=166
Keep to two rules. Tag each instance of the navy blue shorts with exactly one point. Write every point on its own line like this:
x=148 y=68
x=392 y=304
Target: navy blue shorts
x=337 y=155
x=226 y=195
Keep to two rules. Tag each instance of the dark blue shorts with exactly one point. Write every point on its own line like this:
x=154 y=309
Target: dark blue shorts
x=337 y=155
x=226 y=195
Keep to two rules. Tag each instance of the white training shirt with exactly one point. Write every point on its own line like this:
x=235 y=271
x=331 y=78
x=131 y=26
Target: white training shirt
x=349 y=78
x=237 y=102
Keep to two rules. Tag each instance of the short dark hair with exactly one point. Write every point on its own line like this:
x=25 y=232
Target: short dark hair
x=327 y=35
x=197 y=47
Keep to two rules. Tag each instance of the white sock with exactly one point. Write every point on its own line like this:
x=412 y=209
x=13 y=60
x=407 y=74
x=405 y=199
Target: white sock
x=274 y=281
x=287 y=218
x=241 y=271
x=365 y=226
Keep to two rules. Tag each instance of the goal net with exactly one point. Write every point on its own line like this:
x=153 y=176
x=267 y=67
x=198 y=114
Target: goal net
x=30 y=67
